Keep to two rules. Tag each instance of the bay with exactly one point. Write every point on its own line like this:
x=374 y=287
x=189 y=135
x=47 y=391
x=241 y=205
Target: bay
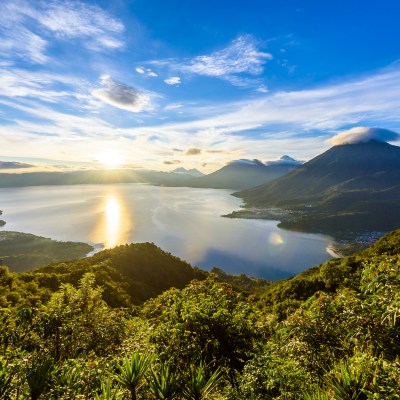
x=186 y=222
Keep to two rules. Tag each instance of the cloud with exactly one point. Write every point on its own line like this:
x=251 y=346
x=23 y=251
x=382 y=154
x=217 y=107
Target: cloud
x=15 y=82
x=238 y=63
x=24 y=44
x=240 y=57
x=122 y=96
x=174 y=80
x=27 y=28
x=14 y=165
x=145 y=71
x=192 y=152
x=361 y=134
x=172 y=106
x=262 y=89
x=172 y=162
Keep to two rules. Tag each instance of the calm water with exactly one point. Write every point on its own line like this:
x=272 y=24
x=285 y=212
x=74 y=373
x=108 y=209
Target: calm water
x=183 y=221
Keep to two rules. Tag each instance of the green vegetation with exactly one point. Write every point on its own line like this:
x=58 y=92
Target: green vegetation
x=86 y=329
x=2 y=223
x=23 y=251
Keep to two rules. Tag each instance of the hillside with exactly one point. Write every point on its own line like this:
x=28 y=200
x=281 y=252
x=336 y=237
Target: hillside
x=330 y=333
x=350 y=187
x=24 y=251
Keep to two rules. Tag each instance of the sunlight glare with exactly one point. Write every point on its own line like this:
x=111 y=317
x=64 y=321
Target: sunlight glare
x=114 y=224
x=276 y=239
x=111 y=158
x=113 y=221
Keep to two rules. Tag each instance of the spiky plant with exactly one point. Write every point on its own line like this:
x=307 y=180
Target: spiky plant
x=163 y=384
x=38 y=377
x=106 y=391
x=131 y=372
x=201 y=382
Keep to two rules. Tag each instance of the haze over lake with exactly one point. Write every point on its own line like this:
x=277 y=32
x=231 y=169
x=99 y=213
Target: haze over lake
x=183 y=221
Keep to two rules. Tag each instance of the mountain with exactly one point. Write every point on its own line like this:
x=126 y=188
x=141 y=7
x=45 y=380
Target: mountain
x=285 y=160
x=243 y=174
x=191 y=172
x=350 y=186
x=239 y=174
x=94 y=177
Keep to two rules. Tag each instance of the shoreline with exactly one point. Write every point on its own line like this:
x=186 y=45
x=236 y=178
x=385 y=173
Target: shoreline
x=345 y=242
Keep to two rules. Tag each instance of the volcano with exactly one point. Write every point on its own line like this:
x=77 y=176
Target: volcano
x=350 y=186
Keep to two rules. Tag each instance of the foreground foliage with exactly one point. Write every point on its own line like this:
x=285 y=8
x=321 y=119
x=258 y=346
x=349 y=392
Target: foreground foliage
x=330 y=333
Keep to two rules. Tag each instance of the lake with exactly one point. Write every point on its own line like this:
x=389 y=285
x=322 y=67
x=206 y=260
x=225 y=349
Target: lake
x=186 y=222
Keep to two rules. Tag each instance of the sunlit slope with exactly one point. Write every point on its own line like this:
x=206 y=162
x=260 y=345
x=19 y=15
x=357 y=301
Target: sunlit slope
x=130 y=273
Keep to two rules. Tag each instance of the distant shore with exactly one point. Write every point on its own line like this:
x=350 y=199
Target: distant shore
x=345 y=242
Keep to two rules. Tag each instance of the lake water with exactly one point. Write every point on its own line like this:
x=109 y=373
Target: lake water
x=183 y=221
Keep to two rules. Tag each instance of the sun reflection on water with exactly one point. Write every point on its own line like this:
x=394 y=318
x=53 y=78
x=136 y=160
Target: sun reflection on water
x=114 y=223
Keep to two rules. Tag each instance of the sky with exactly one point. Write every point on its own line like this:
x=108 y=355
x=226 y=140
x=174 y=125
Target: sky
x=161 y=84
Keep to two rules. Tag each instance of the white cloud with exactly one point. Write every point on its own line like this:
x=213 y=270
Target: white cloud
x=15 y=82
x=122 y=96
x=174 y=80
x=22 y=43
x=298 y=122
x=147 y=71
x=26 y=28
x=361 y=134
x=239 y=63
x=262 y=89
x=241 y=56
x=173 y=106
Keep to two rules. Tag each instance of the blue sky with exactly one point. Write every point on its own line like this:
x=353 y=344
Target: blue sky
x=166 y=84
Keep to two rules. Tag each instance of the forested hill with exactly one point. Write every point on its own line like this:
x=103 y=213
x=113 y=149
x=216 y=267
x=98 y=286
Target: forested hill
x=130 y=274
x=330 y=333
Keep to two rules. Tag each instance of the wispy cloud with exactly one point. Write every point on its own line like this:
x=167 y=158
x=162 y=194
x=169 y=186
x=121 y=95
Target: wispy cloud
x=238 y=63
x=26 y=27
x=22 y=43
x=173 y=106
x=44 y=86
x=122 y=96
x=241 y=56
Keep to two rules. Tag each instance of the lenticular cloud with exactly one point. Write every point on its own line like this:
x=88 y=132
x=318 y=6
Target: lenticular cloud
x=361 y=134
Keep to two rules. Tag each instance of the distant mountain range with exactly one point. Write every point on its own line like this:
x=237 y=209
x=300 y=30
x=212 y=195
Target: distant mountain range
x=243 y=174
x=190 y=172
x=349 y=187
x=240 y=174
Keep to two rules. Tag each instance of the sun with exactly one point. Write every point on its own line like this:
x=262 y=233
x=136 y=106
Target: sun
x=111 y=158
